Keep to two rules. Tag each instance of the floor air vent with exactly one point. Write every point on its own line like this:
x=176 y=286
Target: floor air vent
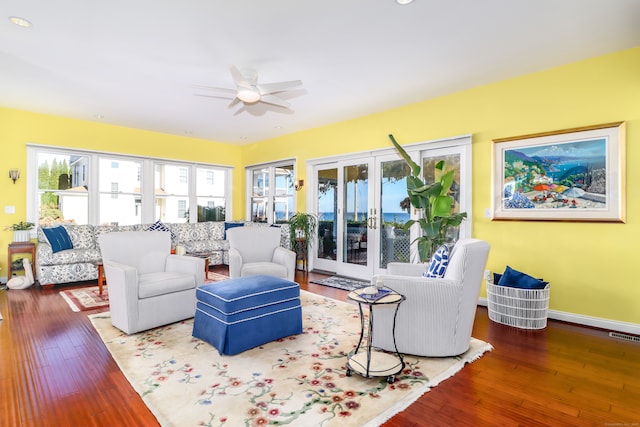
x=625 y=337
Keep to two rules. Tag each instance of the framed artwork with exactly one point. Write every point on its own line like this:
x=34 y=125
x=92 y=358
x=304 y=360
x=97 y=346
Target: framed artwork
x=566 y=175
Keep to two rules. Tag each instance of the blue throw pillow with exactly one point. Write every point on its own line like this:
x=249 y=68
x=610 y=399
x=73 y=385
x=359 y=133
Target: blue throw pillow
x=517 y=279
x=438 y=264
x=159 y=226
x=58 y=238
x=228 y=225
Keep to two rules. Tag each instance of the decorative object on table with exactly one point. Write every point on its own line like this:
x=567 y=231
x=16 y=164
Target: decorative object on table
x=148 y=286
x=256 y=251
x=365 y=359
x=437 y=317
x=344 y=283
x=518 y=299
x=435 y=202
x=21 y=231
x=302 y=230
x=184 y=381
x=567 y=175
x=22 y=282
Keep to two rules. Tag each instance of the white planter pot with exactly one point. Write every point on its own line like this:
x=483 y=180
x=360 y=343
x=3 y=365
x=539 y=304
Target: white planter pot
x=21 y=235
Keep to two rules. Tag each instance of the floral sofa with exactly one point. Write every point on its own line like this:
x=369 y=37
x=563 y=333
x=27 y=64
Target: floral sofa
x=80 y=262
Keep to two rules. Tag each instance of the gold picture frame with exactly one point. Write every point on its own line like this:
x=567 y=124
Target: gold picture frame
x=573 y=174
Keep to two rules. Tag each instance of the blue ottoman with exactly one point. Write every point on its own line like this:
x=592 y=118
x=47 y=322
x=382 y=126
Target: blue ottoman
x=238 y=314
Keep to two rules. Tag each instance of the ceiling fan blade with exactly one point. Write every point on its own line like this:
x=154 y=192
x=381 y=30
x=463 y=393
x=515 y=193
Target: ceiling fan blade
x=274 y=100
x=242 y=80
x=230 y=96
x=268 y=88
x=234 y=102
x=218 y=89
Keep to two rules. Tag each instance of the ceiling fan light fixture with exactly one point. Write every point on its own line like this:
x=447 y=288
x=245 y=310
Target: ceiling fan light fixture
x=20 y=22
x=248 y=95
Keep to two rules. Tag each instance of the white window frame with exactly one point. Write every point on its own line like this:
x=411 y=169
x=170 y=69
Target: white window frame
x=147 y=180
x=272 y=190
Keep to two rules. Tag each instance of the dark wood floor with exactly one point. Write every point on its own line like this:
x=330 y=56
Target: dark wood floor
x=55 y=371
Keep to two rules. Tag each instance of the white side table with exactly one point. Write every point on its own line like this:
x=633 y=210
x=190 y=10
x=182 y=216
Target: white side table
x=367 y=360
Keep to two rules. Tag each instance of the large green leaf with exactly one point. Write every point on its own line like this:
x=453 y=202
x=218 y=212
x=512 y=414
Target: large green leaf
x=441 y=206
x=415 y=168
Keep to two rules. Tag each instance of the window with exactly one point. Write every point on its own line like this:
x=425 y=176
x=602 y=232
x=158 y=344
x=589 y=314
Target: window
x=118 y=189
x=96 y=188
x=272 y=194
x=210 y=190
x=182 y=208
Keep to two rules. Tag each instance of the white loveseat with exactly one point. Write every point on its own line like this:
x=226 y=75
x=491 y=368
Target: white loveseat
x=80 y=262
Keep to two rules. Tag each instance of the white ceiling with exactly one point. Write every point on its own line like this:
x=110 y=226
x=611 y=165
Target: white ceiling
x=134 y=63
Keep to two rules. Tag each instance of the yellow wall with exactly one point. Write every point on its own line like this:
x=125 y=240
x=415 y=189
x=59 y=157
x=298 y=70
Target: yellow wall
x=591 y=267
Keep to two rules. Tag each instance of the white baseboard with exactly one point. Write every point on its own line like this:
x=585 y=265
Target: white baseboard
x=596 y=322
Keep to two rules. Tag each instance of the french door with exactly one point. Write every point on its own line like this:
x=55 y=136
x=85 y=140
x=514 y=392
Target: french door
x=361 y=214
x=362 y=205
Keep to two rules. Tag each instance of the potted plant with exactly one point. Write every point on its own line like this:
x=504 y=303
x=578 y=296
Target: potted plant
x=434 y=201
x=21 y=231
x=302 y=227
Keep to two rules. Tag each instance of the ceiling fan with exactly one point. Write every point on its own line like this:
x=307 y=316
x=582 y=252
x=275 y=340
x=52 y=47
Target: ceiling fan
x=250 y=92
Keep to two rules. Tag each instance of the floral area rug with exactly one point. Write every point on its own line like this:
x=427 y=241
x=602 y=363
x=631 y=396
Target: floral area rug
x=342 y=283
x=299 y=380
x=89 y=298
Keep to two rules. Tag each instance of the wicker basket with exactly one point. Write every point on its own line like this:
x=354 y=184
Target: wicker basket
x=521 y=308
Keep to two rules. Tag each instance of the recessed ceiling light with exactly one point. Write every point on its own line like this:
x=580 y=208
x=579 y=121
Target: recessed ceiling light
x=404 y=1
x=20 y=22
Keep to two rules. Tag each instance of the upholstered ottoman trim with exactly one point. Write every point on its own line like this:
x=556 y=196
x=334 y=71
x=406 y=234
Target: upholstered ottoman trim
x=233 y=295
x=256 y=307
x=270 y=313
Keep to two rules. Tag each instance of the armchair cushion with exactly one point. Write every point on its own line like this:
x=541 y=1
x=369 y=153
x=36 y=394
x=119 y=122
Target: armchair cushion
x=162 y=282
x=439 y=263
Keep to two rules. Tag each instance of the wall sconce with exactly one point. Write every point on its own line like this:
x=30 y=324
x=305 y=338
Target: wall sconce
x=299 y=184
x=14 y=174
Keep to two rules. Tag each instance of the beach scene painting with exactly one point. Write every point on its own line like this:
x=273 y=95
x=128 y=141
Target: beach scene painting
x=565 y=175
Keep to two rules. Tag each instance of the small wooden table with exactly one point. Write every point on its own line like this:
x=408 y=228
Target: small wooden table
x=21 y=248
x=101 y=279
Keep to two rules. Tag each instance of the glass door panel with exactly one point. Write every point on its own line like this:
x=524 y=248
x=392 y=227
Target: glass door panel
x=394 y=212
x=327 y=190
x=356 y=219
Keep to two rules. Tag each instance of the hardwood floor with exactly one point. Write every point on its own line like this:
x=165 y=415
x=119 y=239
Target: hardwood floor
x=55 y=371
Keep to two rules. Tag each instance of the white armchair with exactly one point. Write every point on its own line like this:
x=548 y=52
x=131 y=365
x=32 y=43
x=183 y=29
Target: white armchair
x=148 y=287
x=257 y=250
x=437 y=316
